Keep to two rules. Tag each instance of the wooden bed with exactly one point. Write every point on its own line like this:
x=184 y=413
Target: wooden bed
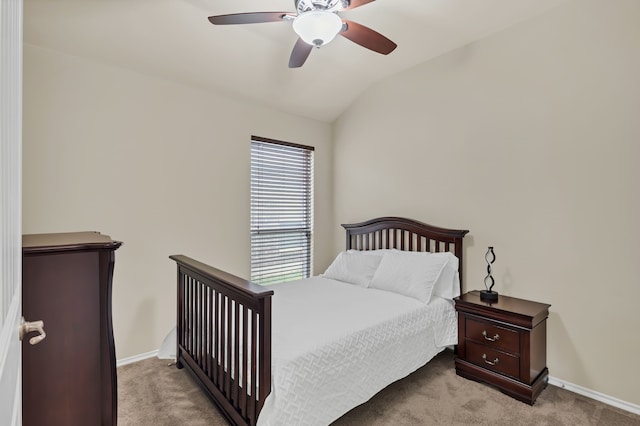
x=224 y=322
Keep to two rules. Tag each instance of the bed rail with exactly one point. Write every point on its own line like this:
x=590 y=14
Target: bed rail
x=224 y=337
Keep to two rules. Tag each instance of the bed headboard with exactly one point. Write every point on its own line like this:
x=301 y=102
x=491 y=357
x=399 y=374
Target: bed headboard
x=404 y=234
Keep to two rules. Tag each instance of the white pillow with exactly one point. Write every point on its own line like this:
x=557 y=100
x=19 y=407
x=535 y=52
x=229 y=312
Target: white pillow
x=448 y=284
x=412 y=274
x=354 y=267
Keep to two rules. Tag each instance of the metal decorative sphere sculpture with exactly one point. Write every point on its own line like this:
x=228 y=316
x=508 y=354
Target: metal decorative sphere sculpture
x=489 y=295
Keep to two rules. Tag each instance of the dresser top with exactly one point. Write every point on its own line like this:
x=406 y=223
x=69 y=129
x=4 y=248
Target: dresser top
x=68 y=241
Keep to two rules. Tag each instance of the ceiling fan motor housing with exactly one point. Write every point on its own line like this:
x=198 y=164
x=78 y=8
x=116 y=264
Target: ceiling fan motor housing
x=325 y=5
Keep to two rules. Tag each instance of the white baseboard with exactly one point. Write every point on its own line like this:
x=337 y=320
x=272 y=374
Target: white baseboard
x=606 y=399
x=136 y=358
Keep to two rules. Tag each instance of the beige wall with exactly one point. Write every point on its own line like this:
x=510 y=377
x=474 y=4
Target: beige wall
x=529 y=139
x=162 y=167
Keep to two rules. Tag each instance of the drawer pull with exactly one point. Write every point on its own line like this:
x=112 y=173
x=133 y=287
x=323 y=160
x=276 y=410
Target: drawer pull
x=491 y=339
x=494 y=362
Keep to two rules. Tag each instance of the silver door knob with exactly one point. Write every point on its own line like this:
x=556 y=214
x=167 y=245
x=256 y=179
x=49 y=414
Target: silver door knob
x=30 y=327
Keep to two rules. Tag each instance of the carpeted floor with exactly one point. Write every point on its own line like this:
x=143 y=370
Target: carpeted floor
x=151 y=393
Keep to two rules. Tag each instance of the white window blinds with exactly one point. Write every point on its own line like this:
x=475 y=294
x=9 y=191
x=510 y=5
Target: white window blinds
x=281 y=211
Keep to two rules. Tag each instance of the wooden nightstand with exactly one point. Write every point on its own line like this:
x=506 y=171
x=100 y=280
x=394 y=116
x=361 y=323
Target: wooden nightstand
x=503 y=344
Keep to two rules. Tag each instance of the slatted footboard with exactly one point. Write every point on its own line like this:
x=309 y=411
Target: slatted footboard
x=224 y=337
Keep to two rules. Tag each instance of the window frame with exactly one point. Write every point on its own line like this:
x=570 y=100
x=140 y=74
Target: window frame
x=270 y=268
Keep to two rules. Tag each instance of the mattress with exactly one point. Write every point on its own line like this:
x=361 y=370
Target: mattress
x=335 y=345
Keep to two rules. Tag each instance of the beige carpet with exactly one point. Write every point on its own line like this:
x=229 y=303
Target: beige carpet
x=151 y=393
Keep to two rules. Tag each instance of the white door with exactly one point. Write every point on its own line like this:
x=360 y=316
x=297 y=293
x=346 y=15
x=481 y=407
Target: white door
x=10 y=210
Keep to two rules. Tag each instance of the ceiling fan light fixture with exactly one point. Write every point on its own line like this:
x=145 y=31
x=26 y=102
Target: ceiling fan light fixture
x=317 y=27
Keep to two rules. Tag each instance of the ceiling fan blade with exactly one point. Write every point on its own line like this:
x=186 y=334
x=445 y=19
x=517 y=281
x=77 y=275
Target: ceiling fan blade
x=357 y=3
x=299 y=54
x=247 y=18
x=366 y=37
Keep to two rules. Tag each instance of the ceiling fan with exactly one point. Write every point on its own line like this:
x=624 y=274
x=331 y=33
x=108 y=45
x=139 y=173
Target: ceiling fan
x=317 y=23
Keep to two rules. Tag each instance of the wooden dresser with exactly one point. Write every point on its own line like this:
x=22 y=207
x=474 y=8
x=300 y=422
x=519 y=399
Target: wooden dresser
x=503 y=343
x=69 y=378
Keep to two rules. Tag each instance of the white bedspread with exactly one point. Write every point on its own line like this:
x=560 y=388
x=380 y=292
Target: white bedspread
x=335 y=345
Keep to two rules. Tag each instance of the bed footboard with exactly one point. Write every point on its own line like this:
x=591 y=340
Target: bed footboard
x=224 y=337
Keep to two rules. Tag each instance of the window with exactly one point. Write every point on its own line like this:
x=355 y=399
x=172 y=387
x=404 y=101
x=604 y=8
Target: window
x=281 y=210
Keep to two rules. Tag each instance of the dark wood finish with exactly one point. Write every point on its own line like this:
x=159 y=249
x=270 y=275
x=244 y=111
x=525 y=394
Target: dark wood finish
x=405 y=234
x=70 y=377
x=224 y=322
x=366 y=37
x=299 y=54
x=503 y=343
x=248 y=18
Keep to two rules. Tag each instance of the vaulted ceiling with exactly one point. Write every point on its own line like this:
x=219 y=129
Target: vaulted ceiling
x=173 y=39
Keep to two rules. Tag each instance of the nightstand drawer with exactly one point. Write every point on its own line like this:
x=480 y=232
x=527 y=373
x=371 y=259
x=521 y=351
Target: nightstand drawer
x=493 y=336
x=493 y=360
